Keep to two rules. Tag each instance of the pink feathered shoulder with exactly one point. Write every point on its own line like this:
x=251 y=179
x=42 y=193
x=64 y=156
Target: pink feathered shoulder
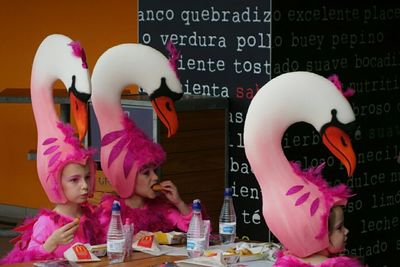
x=340 y=261
x=20 y=252
x=158 y=215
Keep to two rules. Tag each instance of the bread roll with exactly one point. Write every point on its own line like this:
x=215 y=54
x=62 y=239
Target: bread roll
x=156 y=187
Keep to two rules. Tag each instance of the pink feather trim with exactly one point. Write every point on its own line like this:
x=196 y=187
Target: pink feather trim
x=76 y=154
x=313 y=175
x=158 y=214
x=339 y=261
x=78 y=51
x=173 y=56
x=151 y=218
x=91 y=226
x=140 y=148
x=335 y=79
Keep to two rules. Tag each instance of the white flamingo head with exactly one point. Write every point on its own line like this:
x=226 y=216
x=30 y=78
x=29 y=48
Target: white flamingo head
x=135 y=64
x=60 y=58
x=125 y=149
x=296 y=203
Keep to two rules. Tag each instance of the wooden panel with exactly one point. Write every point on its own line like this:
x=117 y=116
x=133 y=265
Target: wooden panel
x=199 y=120
x=185 y=141
x=198 y=182
x=96 y=198
x=102 y=184
x=211 y=200
x=192 y=162
x=196 y=159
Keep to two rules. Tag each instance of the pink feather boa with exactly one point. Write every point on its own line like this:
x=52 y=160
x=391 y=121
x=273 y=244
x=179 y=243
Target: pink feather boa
x=335 y=80
x=78 y=51
x=173 y=57
x=340 y=261
x=20 y=253
x=158 y=215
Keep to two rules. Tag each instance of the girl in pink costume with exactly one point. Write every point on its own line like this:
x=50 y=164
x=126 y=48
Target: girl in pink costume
x=299 y=206
x=148 y=210
x=326 y=257
x=65 y=169
x=128 y=157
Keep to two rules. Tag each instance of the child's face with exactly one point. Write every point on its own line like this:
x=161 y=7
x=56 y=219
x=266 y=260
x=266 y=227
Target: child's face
x=75 y=182
x=144 y=180
x=337 y=231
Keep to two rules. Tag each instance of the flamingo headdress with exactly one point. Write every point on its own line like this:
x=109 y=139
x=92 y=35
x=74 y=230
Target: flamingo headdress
x=124 y=148
x=58 y=57
x=296 y=203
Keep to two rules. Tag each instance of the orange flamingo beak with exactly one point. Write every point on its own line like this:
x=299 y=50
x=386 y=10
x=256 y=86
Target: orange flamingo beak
x=165 y=109
x=80 y=113
x=338 y=142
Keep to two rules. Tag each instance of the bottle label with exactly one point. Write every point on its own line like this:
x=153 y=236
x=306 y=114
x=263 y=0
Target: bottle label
x=227 y=228
x=196 y=245
x=116 y=245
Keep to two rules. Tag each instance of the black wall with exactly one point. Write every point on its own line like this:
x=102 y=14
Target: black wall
x=232 y=48
x=359 y=41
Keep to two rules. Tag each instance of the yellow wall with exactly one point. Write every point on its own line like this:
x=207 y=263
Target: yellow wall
x=97 y=24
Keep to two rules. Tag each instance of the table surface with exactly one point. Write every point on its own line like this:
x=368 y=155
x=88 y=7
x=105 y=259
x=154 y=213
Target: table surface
x=137 y=259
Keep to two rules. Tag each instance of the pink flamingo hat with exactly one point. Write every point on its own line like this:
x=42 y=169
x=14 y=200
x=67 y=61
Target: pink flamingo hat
x=124 y=148
x=296 y=203
x=58 y=57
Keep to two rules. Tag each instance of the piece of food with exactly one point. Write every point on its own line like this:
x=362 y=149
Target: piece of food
x=156 y=187
x=230 y=251
x=210 y=253
x=245 y=252
x=170 y=238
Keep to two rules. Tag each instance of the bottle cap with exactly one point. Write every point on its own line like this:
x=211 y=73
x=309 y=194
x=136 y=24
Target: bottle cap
x=196 y=205
x=228 y=192
x=116 y=206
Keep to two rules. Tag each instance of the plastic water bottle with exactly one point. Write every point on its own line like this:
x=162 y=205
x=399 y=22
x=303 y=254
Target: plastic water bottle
x=128 y=233
x=195 y=242
x=227 y=219
x=115 y=236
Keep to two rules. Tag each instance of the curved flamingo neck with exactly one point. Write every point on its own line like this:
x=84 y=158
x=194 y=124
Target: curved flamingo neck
x=116 y=69
x=106 y=99
x=268 y=157
x=42 y=101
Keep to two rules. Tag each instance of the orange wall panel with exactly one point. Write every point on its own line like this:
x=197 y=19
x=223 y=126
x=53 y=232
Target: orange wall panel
x=97 y=24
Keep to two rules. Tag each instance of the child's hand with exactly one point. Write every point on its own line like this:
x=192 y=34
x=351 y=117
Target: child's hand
x=61 y=236
x=171 y=193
